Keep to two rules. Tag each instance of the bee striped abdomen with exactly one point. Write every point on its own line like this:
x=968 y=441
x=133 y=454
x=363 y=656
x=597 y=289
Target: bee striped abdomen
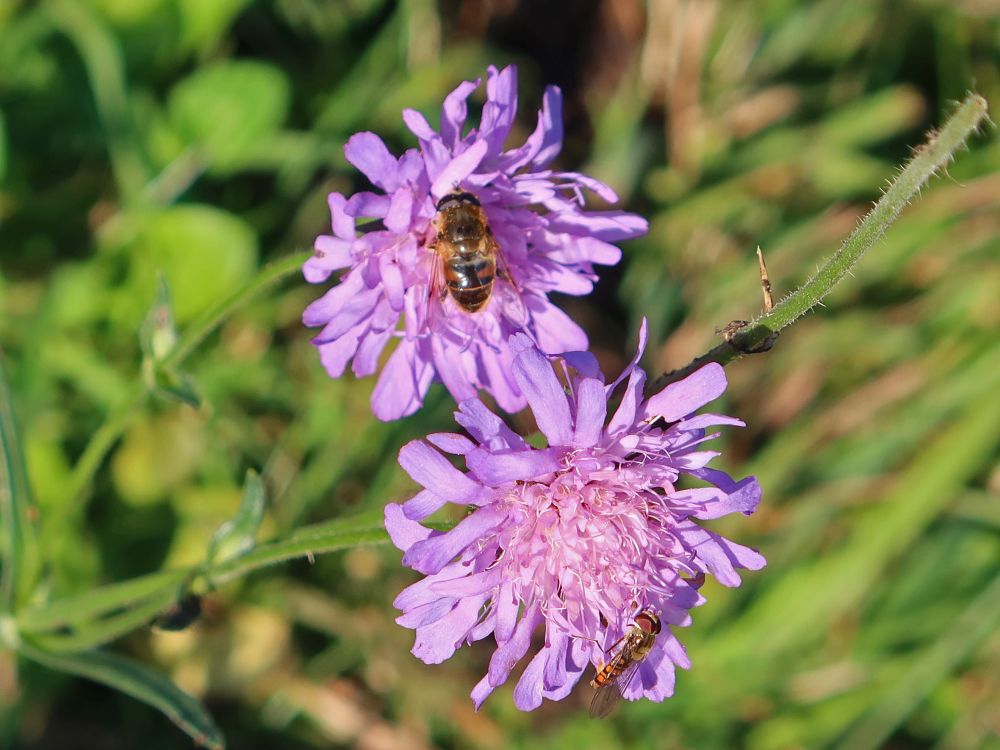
x=466 y=245
x=608 y=673
x=470 y=280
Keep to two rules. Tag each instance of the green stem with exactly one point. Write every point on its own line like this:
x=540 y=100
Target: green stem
x=928 y=159
x=101 y=441
x=299 y=545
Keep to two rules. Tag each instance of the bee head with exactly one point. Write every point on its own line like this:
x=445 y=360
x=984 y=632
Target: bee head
x=455 y=199
x=648 y=622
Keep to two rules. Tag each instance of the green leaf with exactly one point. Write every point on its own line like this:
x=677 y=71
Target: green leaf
x=238 y=536
x=19 y=553
x=141 y=683
x=92 y=634
x=178 y=386
x=100 y=602
x=330 y=536
x=230 y=110
x=204 y=252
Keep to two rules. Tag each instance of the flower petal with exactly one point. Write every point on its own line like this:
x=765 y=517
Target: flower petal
x=437 y=642
x=481 y=692
x=430 y=555
x=496 y=469
x=591 y=411
x=422 y=505
x=454 y=111
x=486 y=427
x=401 y=386
x=451 y=442
x=403 y=532
x=545 y=395
x=367 y=356
x=500 y=108
x=351 y=311
x=331 y=254
x=335 y=355
x=744 y=498
x=368 y=153
x=510 y=652
x=625 y=415
x=458 y=169
x=528 y=691
x=604 y=225
x=322 y=311
x=548 y=134
x=556 y=331
x=430 y=469
x=682 y=398
x=720 y=556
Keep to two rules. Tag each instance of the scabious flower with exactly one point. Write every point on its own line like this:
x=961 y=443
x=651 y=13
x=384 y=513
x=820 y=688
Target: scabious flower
x=576 y=538
x=548 y=243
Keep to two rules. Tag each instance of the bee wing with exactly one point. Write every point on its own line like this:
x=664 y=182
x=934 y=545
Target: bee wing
x=436 y=289
x=512 y=287
x=607 y=695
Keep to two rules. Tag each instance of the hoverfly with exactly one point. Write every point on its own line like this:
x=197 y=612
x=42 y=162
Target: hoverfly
x=467 y=248
x=613 y=678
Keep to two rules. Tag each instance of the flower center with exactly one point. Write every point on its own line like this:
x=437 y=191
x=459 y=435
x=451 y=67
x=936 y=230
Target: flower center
x=588 y=545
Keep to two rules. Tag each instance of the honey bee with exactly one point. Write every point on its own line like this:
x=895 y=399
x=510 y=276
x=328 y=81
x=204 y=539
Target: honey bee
x=467 y=248
x=613 y=678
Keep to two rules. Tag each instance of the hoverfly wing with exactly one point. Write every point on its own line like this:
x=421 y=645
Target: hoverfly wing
x=606 y=696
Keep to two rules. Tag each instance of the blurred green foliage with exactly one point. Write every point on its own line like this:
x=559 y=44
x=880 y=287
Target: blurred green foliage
x=193 y=141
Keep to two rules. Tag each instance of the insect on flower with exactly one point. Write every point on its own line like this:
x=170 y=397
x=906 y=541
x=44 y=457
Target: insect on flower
x=613 y=679
x=470 y=238
x=468 y=251
x=593 y=539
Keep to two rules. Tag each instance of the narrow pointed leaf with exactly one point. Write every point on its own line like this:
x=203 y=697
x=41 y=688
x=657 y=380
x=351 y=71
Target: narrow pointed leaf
x=238 y=536
x=141 y=683
x=18 y=547
x=101 y=602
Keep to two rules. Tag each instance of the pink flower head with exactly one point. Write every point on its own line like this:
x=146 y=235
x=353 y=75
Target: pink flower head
x=547 y=242
x=577 y=538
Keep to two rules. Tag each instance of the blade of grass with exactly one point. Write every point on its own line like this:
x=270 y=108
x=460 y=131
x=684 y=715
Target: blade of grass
x=106 y=71
x=978 y=621
x=19 y=553
x=141 y=683
x=838 y=582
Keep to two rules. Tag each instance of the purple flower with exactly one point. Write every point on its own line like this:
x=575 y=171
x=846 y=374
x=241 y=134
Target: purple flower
x=547 y=244
x=578 y=537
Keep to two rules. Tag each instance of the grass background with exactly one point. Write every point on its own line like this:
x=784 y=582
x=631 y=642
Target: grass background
x=200 y=139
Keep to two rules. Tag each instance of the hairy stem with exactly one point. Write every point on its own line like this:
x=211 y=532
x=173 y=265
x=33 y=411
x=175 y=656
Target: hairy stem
x=928 y=159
